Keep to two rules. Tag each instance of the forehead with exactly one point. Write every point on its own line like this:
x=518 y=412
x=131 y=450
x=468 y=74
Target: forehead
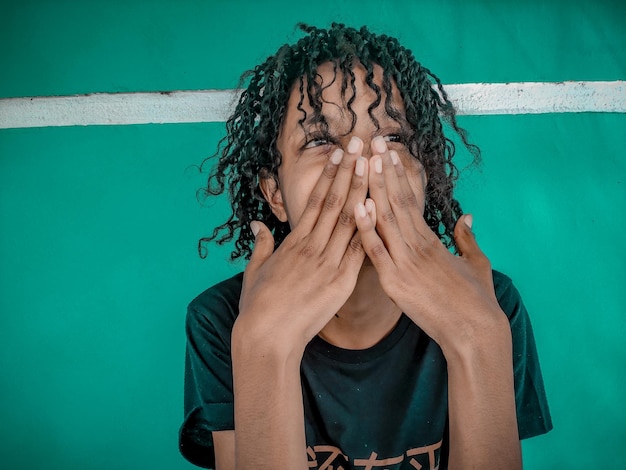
x=340 y=95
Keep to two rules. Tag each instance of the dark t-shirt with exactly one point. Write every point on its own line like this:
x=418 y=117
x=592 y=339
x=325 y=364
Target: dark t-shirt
x=382 y=407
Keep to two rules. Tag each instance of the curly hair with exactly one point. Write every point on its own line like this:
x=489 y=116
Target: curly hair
x=248 y=151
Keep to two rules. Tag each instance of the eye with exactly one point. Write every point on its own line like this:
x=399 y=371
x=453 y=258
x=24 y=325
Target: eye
x=399 y=138
x=316 y=142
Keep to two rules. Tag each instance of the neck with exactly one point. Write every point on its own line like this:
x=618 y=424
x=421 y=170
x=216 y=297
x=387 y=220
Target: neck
x=367 y=316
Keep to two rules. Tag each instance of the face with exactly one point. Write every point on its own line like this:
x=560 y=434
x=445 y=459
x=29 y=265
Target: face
x=305 y=148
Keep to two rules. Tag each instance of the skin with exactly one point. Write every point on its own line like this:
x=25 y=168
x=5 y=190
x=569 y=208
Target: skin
x=361 y=262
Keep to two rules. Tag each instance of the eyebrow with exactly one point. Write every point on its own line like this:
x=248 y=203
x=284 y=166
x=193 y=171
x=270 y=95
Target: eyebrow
x=313 y=119
x=383 y=118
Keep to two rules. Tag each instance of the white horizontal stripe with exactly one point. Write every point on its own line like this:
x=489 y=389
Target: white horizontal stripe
x=539 y=97
x=117 y=108
x=216 y=105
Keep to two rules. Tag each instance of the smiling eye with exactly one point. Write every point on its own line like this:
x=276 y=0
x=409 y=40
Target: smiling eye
x=316 y=142
x=395 y=138
x=318 y=139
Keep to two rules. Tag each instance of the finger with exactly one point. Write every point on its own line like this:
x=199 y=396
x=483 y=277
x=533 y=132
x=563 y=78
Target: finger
x=263 y=245
x=401 y=197
x=386 y=223
x=345 y=225
x=342 y=189
x=408 y=202
x=373 y=245
x=317 y=198
x=465 y=240
x=406 y=197
x=353 y=256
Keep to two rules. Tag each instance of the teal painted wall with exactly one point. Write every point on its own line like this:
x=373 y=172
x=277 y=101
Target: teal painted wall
x=98 y=225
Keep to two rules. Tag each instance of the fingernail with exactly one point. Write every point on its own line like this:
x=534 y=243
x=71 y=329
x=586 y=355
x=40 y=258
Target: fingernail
x=378 y=165
x=359 y=169
x=369 y=205
x=469 y=220
x=380 y=145
x=354 y=144
x=360 y=209
x=336 y=156
x=255 y=227
x=394 y=156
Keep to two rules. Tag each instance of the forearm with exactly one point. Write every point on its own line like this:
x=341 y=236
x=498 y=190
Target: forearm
x=269 y=415
x=481 y=395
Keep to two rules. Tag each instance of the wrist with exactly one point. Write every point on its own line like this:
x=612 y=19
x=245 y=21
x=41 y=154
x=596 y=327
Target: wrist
x=252 y=338
x=489 y=338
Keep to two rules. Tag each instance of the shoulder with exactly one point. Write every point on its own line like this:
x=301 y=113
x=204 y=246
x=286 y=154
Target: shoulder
x=507 y=294
x=227 y=291
x=216 y=307
x=501 y=282
x=533 y=412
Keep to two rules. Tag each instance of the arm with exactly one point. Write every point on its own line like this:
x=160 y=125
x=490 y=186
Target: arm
x=452 y=299
x=224 y=445
x=269 y=414
x=281 y=312
x=268 y=408
x=481 y=398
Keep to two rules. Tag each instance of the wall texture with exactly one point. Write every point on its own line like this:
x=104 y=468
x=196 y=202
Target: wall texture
x=99 y=224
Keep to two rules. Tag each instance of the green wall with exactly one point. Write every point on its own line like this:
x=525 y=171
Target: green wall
x=98 y=225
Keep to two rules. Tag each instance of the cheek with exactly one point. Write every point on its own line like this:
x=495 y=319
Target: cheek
x=296 y=188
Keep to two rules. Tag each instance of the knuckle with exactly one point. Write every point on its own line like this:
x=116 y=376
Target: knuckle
x=346 y=217
x=357 y=183
x=421 y=249
x=315 y=201
x=329 y=171
x=426 y=248
x=388 y=216
x=378 y=250
x=356 y=244
x=332 y=200
x=404 y=200
x=308 y=251
x=290 y=242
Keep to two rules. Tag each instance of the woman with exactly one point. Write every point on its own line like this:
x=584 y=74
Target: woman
x=354 y=338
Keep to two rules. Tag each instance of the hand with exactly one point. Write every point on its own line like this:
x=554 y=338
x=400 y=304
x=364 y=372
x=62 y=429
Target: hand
x=290 y=294
x=450 y=297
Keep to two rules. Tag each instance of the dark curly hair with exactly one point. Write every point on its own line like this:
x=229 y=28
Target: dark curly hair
x=248 y=151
